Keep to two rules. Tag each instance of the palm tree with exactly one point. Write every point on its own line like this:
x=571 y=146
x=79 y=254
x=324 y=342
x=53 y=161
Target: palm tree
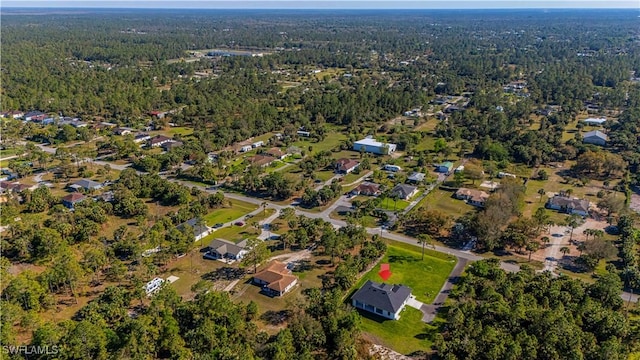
x=565 y=250
x=545 y=240
x=573 y=222
x=424 y=239
x=531 y=247
x=541 y=192
x=264 y=208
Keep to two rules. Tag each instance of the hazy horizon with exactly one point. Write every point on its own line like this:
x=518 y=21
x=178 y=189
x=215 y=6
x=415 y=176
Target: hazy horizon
x=329 y=5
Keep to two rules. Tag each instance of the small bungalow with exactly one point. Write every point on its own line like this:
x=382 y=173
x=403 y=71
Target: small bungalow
x=595 y=121
x=171 y=145
x=223 y=249
x=141 y=137
x=595 y=137
x=35 y=116
x=199 y=231
x=502 y=174
x=459 y=169
x=153 y=286
x=15 y=187
x=123 y=131
x=367 y=188
x=71 y=200
x=277 y=153
x=303 y=133
x=257 y=144
x=275 y=279
x=382 y=299
x=86 y=184
x=261 y=160
x=472 y=196
x=404 y=192
x=246 y=148
x=445 y=167
x=158 y=140
x=392 y=168
x=345 y=166
x=416 y=177
x=568 y=205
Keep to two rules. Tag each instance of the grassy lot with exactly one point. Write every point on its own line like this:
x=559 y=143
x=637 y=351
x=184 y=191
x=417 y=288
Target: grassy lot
x=11 y=152
x=424 y=277
x=407 y=335
x=331 y=142
x=190 y=269
x=366 y=221
x=223 y=215
x=442 y=200
x=389 y=204
x=429 y=125
x=178 y=130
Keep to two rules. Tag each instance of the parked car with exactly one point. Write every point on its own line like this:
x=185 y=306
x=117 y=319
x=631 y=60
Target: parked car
x=239 y=223
x=218 y=225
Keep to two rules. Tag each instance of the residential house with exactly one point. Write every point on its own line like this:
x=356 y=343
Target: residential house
x=153 y=286
x=277 y=153
x=13 y=187
x=170 y=145
x=404 y=192
x=345 y=166
x=199 y=231
x=72 y=199
x=568 y=205
x=416 y=177
x=141 y=137
x=472 y=196
x=275 y=279
x=7 y=174
x=595 y=137
x=502 y=174
x=303 y=133
x=393 y=168
x=223 y=249
x=106 y=197
x=367 y=188
x=370 y=145
x=123 y=131
x=158 y=140
x=595 y=121
x=445 y=167
x=261 y=160
x=245 y=148
x=35 y=116
x=257 y=144
x=86 y=184
x=13 y=114
x=459 y=169
x=382 y=299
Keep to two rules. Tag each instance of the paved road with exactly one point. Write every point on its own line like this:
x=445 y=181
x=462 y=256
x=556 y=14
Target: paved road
x=464 y=256
x=429 y=311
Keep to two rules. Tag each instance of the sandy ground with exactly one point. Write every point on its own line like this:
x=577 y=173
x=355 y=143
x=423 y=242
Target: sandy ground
x=559 y=237
x=385 y=353
x=635 y=200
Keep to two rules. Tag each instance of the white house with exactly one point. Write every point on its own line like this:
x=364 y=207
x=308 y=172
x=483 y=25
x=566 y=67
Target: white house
x=393 y=168
x=370 y=145
x=245 y=148
x=568 y=205
x=595 y=121
x=153 y=286
x=257 y=144
x=382 y=299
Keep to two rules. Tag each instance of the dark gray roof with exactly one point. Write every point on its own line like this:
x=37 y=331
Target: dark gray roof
x=596 y=133
x=382 y=296
x=87 y=184
x=569 y=203
x=403 y=190
x=223 y=247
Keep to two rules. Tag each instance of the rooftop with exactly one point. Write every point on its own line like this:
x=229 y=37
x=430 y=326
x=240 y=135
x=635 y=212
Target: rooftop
x=387 y=297
x=276 y=275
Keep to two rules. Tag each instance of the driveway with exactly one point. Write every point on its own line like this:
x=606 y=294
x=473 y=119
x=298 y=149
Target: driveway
x=429 y=311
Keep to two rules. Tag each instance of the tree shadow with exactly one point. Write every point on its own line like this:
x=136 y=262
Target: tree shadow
x=224 y=273
x=401 y=259
x=276 y=317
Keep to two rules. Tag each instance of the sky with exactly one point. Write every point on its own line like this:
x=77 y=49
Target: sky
x=330 y=4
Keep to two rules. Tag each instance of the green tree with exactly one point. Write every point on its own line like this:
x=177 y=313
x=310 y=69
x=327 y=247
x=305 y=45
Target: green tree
x=424 y=239
x=258 y=252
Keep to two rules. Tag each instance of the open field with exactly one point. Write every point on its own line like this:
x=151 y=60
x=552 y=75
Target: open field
x=424 y=277
x=443 y=201
x=223 y=215
x=407 y=335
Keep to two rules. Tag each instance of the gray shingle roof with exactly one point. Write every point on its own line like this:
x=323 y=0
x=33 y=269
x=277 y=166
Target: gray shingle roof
x=596 y=133
x=383 y=296
x=403 y=190
x=87 y=184
x=223 y=247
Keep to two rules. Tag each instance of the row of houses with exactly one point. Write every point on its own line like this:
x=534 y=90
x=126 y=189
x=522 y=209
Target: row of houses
x=400 y=191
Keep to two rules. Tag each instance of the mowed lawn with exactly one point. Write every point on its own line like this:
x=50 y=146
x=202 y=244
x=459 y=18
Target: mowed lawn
x=238 y=209
x=407 y=335
x=442 y=200
x=425 y=278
